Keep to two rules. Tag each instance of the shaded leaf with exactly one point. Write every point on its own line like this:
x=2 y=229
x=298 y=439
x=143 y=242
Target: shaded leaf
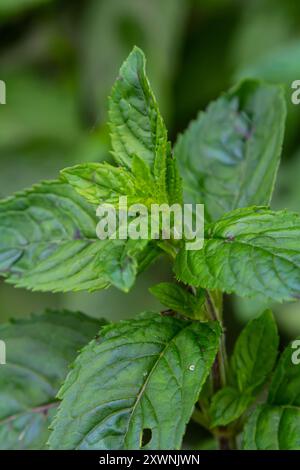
x=251 y=363
x=255 y=353
x=38 y=353
x=273 y=428
x=227 y=405
x=229 y=156
x=285 y=385
x=179 y=299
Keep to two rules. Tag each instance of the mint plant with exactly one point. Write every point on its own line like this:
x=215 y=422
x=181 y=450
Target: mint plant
x=136 y=384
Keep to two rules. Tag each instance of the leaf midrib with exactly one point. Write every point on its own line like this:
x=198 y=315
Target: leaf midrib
x=155 y=365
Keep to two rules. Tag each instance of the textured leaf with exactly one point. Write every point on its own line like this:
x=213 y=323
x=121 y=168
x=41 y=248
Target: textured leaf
x=121 y=261
x=137 y=127
x=149 y=172
x=132 y=379
x=273 y=428
x=227 y=405
x=255 y=353
x=38 y=352
x=249 y=251
x=179 y=299
x=138 y=130
x=173 y=181
x=285 y=385
x=102 y=182
x=229 y=156
x=49 y=243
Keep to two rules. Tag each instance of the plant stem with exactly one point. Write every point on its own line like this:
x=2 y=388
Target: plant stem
x=220 y=364
x=224 y=443
x=225 y=436
x=219 y=369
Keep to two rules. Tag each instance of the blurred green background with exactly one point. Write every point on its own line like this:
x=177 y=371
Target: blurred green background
x=59 y=59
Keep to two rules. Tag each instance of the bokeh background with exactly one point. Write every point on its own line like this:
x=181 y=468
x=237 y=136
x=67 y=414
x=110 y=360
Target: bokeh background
x=59 y=59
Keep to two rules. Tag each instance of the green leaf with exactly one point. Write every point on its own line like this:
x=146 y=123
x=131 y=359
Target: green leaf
x=179 y=299
x=255 y=353
x=173 y=181
x=277 y=424
x=38 y=353
x=229 y=156
x=137 y=127
x=273 y=428
x=227 y=405
x=138 y=130
x=133 y=379
x=102 y=182
x=49 y=243
x=251 y=363
x=121 y=262
x=285 y=385
x=27 y=431
x=139 y=139
x=249 y=251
